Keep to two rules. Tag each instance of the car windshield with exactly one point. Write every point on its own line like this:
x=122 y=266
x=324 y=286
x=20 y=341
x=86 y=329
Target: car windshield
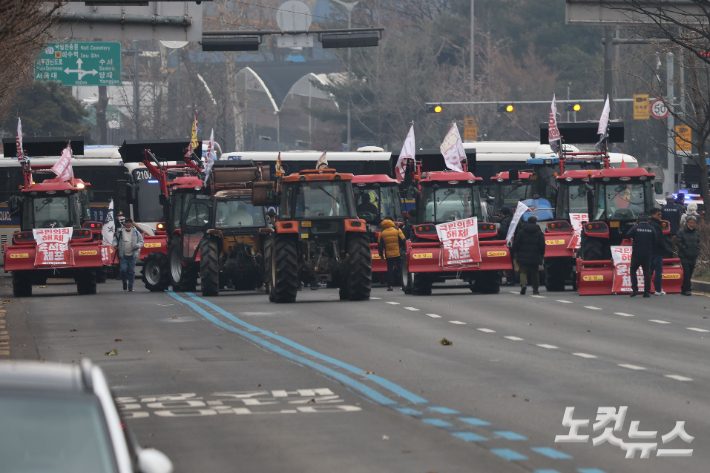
x=574 y=197
x=322 y=199
x=377 y=204
x=53 y=211
x=623 y=201
x=59 y=435
x=449 y=203
x=238 y=213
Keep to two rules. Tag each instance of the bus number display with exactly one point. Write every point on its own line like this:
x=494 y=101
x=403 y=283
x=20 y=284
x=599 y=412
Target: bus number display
x=142 y=175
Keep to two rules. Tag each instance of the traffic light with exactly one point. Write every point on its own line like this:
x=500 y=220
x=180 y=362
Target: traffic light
x=573 y=107
x=433 y=108
x=506 y=107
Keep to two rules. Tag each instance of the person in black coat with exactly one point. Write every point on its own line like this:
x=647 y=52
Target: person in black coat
x=529 y=250
x=672 y=212
x=659 y=251
x=645 y=241
x=504 y=224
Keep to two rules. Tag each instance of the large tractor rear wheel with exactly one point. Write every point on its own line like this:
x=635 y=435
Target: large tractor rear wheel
x=209 y=268
x=156 y=272
x=21 y=283
x=182 y=278
x=284 y=270
x=359 y=267
x=85 y=281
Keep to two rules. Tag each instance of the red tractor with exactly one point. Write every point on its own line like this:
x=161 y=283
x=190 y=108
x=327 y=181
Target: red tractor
x=377 y=198
x=54 y=206
x=444 y=197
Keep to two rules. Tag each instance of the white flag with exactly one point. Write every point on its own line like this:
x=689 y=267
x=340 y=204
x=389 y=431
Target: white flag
x=322 y=162
x=604 y=123
x=452 y=149
x=408 y=152
x=109 y=226
x=18 y=141
x=519 y=211
x=553 y=133
x=63 y=168
x=209 y=157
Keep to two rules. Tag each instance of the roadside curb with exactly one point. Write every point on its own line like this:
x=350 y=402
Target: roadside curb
x=700 y=286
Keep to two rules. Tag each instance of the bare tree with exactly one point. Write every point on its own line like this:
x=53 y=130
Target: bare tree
x=24 y=29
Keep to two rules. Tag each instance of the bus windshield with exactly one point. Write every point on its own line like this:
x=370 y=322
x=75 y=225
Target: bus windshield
x=148 y=204
x=238 y=213
x=622 y=201
x=449 y=203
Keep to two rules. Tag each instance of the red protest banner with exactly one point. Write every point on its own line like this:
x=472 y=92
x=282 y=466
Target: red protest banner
x=621 y=256
x=459 y=242
x=52 y=246
x=576 y=221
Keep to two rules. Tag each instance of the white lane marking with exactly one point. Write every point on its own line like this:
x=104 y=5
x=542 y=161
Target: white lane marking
x=514 y=292
x=375 y=298
x=413 y=309
x=658 y=321
x=457 y=322
x=393 y=303
x=698 y=329
x=487 y=330
x=564 y=301
x=434 y=316
x=678 y=377
x=539 y=297
x=591 y=307
x=550 y=347
x=510 y=337
x=584 y=355
x=632 y=367
x=624 y=314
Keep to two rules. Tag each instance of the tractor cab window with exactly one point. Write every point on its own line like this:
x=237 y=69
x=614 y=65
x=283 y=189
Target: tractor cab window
x=238 y=213
x=377 y=204
x=180 y=200
x=511 y=193
x=622 y=201
x=573 y=199
x=51 y=211
x=390 y=204
x=446 y=204
x=323 y=199
x=197 y=215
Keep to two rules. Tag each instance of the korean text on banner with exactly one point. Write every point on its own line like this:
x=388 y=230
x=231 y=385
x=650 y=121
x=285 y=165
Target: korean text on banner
x=452 y=149
x=519 y=211
x=621 y=256
x=53 y=246
x=459 y=242
x=576 y=220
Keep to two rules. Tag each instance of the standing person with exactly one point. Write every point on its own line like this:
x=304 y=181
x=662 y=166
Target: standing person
x=659 y=251
x=388 y=243
x=672 y=212
x=128 y=242
x=688 y=240
x=529 y=250
x=506 y=217
x=691 y=212
x=645 y=239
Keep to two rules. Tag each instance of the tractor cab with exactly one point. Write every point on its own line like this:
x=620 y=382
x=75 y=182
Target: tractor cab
x=377 y=198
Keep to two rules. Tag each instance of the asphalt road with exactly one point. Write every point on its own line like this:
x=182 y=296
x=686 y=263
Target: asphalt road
x=235 y=383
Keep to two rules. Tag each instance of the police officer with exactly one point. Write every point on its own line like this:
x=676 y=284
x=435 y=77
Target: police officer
x=672 y=212
x=645 y=240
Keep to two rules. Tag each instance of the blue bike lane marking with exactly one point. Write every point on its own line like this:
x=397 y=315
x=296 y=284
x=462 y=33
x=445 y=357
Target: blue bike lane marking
x=506 y=454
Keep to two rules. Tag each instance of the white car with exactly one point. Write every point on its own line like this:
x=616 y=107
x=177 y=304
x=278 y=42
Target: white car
x=62 y=418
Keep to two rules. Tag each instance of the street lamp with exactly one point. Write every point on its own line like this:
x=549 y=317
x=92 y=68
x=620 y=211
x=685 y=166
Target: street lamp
x=349 y=6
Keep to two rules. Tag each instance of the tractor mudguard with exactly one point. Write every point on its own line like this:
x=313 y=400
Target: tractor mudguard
x=153 y=243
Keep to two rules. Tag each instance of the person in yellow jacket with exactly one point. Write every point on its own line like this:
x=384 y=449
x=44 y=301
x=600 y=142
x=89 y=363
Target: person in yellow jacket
x=388 y=241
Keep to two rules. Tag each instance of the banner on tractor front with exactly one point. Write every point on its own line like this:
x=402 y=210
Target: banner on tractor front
x=53 y=246
x=576 y=222
x=459 y=242
x=621 y=256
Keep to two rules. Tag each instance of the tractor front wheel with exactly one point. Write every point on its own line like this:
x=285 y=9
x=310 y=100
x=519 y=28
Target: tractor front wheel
x=156 y=272
x=21 y=283
x=85 y=281
x=209 y=268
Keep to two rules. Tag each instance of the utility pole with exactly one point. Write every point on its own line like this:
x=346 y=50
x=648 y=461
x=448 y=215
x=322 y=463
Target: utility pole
x=472 y=50
x=136 y=92
x=670 y=124
x=349 y=7
x=608 y=66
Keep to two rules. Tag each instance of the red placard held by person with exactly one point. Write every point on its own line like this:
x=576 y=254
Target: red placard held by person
x=621 y=256
x=52 y=246
x=459 y=242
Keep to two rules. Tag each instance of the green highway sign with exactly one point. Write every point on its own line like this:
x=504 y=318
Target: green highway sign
x=80 y=63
